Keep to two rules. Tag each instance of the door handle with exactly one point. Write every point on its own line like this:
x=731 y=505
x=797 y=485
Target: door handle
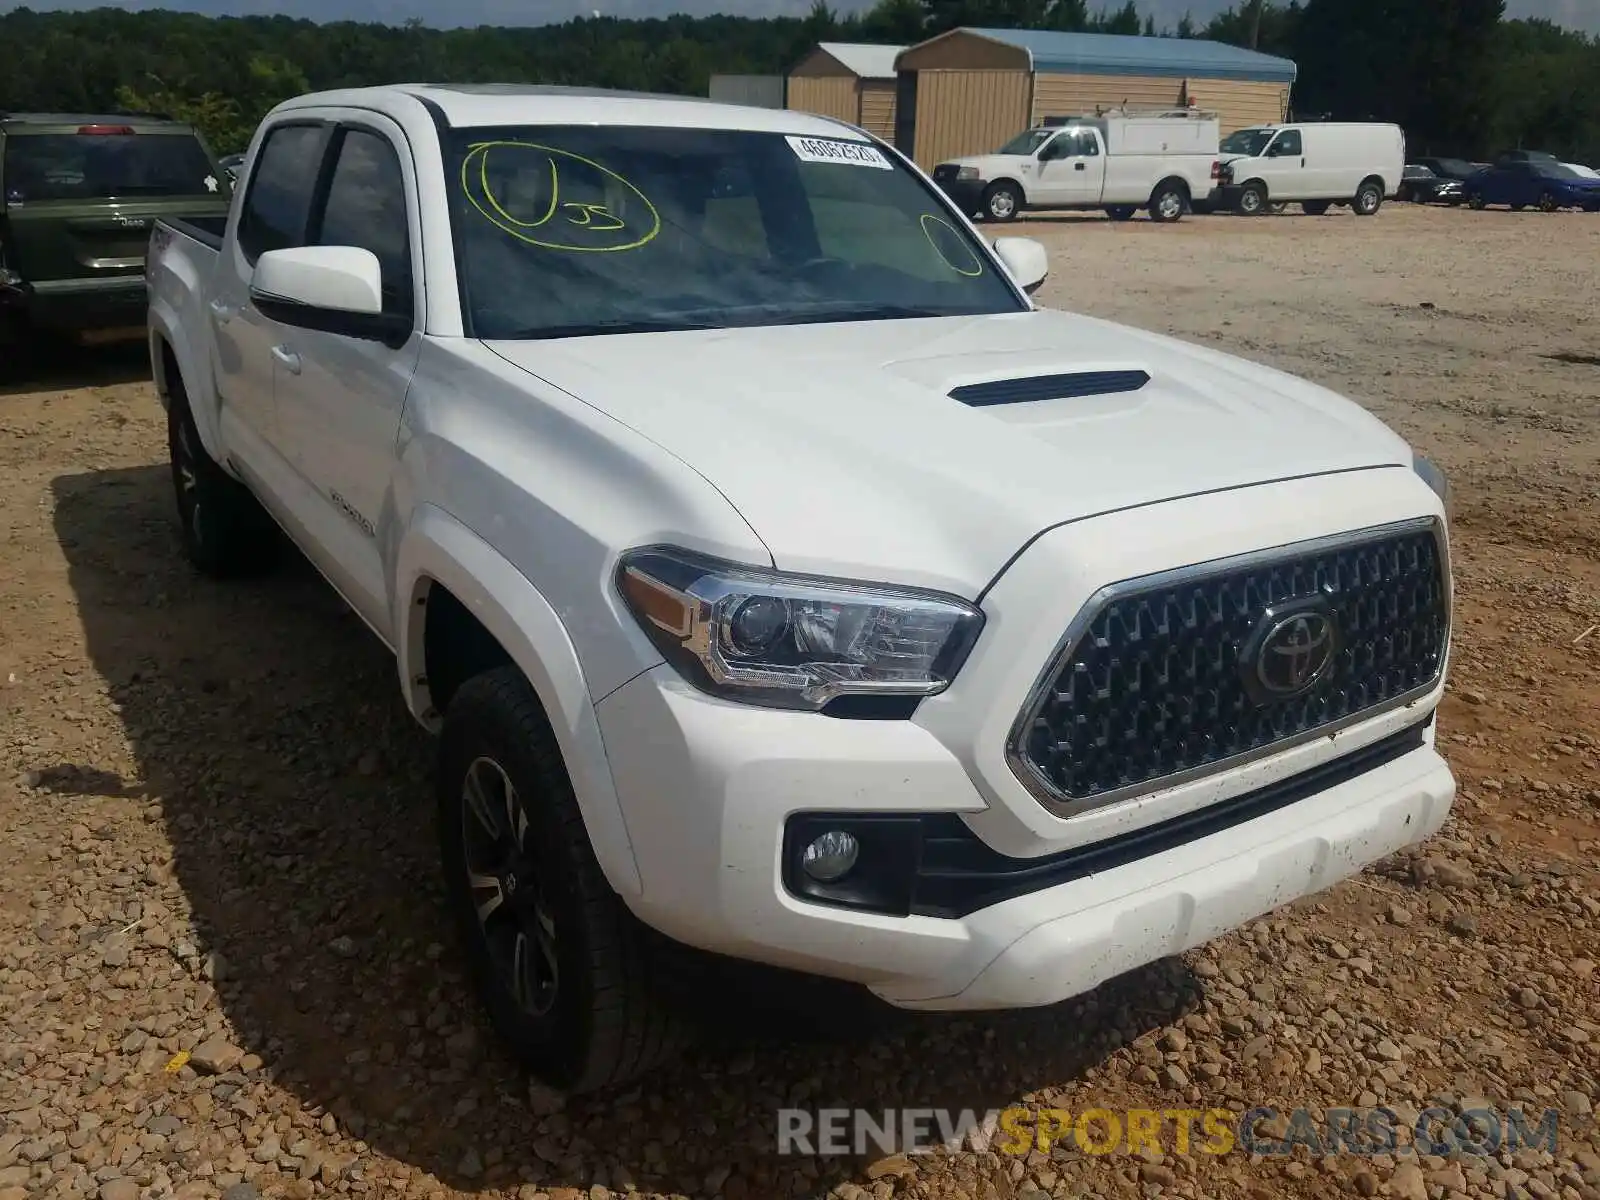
x=1080 y=166
x=289 y=359
x=222 y=312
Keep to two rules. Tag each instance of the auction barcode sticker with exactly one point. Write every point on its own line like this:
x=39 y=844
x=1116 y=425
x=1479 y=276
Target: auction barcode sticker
x=823 y=150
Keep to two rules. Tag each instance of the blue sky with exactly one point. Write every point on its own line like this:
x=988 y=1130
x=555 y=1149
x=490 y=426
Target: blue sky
x=1578 y=14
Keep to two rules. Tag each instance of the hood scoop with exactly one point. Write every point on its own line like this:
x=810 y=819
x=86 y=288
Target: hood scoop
x=1049 y=387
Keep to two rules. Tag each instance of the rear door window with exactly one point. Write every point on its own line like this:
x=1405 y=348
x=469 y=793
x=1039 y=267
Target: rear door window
x=278 y=204
x=107 y=165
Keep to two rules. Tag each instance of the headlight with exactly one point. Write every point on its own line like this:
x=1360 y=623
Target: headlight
x=790 y=641
x=1434 y=477
x=966 y=172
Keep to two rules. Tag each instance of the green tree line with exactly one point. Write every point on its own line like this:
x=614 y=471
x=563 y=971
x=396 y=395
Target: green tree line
x=1458 y=76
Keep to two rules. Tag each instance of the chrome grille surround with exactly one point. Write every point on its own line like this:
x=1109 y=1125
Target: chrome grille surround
x=1136 y=699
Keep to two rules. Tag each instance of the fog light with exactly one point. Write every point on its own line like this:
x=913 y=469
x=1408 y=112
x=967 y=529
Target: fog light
x=831 y=856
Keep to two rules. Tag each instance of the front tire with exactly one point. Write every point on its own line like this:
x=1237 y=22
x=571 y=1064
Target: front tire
x=1121 y=212
x=1314 y=208
x=226 y=533
x=571 y=980
x=1002 y=201
x=1475 y=203
x=1253 y=199
x=1547 y=203
x=1368 y=199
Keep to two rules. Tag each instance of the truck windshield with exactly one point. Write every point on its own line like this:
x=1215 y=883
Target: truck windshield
x=572 y=230
x=1026 y=142
x=1249 y=142
x=98 y=166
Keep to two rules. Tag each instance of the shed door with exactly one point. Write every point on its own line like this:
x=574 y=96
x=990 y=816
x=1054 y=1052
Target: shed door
x=905 y=113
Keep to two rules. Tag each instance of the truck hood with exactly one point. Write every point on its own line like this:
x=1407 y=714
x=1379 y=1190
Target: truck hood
x=991 y=166
x=842 y=447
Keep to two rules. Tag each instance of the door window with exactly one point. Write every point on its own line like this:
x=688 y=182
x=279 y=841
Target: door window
x=1088 y=146
x=366 y=207
x=279 y=200
x=1288 y=144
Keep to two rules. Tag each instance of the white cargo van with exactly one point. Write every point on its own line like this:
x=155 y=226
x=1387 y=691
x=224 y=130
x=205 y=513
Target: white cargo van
x=1319 y=164
x=1121 y=161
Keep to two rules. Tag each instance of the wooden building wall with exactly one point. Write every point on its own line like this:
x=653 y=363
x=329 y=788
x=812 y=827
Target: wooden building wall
x=969 y=112
x=877 y=107
x=826 y=95
x=1238 y=103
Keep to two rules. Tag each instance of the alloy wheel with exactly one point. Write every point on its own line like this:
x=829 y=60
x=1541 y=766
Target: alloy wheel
x=186 y=466
x=503 y=875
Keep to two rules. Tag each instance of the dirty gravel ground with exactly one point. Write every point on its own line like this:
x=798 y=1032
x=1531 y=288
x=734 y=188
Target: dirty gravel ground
x=215 y=823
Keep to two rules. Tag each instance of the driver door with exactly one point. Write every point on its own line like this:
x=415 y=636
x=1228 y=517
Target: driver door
x=1071 y=170
x=1286 y=173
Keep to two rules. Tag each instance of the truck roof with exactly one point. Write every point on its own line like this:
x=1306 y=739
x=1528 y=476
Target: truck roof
x=470 y=105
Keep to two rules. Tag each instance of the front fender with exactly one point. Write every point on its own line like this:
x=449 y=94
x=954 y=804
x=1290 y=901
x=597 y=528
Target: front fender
x=437 y=548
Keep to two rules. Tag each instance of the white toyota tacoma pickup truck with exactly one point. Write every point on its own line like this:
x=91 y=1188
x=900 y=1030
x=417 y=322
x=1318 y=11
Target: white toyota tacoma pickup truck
x=781 y=581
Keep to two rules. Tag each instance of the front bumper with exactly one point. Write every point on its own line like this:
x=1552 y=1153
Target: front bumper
x=965 y=194
x=78 y=305
x=707 y=793
x=1046 y=906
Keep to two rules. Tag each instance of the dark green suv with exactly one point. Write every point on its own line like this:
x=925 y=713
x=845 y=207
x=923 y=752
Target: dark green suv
x=78 y=195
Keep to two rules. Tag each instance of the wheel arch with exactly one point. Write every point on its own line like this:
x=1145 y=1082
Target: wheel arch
x=490 y=614
x=173 y=367
x=1021 y=188
x=1177 y=181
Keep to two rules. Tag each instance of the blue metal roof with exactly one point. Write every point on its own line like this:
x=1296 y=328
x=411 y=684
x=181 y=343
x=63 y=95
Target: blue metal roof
x=1119 y=54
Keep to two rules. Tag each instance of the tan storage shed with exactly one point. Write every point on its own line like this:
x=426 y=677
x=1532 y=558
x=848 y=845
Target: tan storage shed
x=853 y=81
x=969 y=91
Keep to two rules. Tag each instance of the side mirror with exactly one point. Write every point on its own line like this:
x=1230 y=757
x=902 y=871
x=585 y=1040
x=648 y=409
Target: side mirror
x=341 y=278
x=334 y=289
x=1026 y=259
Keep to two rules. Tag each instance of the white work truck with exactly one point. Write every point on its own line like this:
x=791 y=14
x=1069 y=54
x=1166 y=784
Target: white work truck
x=782 y=582
x=1164 y=162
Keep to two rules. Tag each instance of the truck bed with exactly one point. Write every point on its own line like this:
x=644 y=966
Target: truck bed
x=207 y=231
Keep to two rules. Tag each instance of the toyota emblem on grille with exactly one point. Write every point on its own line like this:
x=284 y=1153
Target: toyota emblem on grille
x=1293 y=648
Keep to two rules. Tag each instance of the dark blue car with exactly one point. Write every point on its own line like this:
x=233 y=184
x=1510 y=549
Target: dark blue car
x=1532 y=184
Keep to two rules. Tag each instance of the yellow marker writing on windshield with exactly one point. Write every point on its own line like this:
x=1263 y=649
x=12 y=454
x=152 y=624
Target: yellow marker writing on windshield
x=584 y=226
x=929 y=224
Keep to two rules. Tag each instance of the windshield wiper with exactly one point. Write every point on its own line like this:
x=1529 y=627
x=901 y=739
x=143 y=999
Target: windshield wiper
x=860 y=312
x=597 y=328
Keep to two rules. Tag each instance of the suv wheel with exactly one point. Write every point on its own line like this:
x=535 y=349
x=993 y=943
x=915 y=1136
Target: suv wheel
x=571 y=980
x=225 y=531
x=1002 y=201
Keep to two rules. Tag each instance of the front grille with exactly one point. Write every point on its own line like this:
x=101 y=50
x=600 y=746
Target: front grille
x=1158 y=682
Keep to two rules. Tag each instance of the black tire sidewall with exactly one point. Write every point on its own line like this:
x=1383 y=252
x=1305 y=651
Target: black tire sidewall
x=480 y=722
x=1259 y=193
x=1365 y=207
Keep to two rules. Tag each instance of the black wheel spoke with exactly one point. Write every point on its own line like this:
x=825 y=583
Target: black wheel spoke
x=502 y=879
